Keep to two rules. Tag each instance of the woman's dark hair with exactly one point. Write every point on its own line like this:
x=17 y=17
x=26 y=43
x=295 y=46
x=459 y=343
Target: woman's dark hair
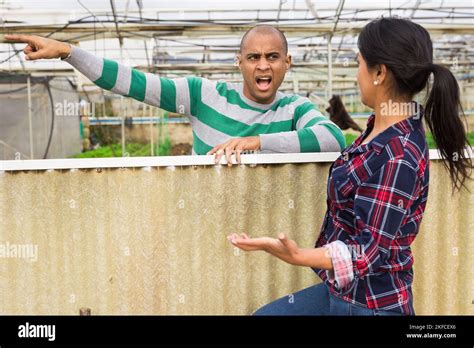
x=405 y=48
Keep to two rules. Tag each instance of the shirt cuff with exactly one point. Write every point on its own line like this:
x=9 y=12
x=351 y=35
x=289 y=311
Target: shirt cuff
x=342 y=273
x=70 y=53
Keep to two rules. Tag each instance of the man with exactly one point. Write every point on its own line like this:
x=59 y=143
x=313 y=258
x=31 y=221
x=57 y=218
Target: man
x=225 y=117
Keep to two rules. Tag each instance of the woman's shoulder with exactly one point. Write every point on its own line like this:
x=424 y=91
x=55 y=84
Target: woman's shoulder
x=411 y=149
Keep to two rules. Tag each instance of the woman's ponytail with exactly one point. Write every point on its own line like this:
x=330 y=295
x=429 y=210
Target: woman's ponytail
x=406 y=49
x=444 y=116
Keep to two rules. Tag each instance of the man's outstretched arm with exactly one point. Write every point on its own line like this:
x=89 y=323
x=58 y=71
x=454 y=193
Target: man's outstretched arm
x=173 y=95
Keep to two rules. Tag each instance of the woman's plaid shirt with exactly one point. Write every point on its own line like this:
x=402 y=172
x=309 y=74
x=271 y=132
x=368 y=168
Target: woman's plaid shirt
x=377 y=193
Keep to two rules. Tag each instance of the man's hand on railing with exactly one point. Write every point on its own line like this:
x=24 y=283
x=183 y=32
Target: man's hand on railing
x=40 y=47
x=236 y=145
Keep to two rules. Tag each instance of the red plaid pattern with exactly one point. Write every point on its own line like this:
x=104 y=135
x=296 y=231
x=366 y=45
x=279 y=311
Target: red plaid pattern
x=377 y=194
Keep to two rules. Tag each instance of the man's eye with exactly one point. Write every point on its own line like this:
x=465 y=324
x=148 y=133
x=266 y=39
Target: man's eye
x=274 y=56
x=252 y=58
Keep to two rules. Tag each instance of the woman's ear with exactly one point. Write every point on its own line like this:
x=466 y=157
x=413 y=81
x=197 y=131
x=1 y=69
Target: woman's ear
x=382 y=72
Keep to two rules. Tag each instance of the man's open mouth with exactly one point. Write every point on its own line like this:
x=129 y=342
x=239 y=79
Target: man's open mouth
x=263 y=82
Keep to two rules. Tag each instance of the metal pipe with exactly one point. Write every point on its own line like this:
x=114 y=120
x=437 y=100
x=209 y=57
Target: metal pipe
x=329 y=88
x=152 y=147
x=30 y=121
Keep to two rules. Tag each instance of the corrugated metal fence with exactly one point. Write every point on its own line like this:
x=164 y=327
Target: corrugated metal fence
x=153 y=240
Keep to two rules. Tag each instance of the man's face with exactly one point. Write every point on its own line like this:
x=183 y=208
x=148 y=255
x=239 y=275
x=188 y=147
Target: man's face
x=263 y=63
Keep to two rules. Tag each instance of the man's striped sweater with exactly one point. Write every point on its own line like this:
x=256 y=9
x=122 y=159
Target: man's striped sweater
x=218 y=111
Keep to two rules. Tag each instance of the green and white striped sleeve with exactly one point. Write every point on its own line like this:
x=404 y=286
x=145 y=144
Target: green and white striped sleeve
x=173 y=95
x=313 y=133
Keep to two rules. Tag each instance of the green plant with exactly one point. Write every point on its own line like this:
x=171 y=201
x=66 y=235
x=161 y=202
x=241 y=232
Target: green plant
x=164 y=148
x=115 y=150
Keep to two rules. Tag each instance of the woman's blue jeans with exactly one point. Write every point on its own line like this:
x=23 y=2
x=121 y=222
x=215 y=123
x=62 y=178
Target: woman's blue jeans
x=316 y=300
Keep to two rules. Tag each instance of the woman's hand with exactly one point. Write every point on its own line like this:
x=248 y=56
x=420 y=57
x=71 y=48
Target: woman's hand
x=283 y=248
x=40 y=47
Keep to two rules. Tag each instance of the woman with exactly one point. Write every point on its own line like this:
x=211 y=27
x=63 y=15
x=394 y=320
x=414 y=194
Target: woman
x=378 y=187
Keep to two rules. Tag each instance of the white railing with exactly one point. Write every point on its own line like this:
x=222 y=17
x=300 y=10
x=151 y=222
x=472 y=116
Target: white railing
x=169 y=161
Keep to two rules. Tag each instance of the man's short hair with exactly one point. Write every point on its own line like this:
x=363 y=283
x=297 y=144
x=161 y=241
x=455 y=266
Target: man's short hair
x=265 y=29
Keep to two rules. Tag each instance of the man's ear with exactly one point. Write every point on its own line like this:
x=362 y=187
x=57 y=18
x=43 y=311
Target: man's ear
x=288 y=61
x=237 y=60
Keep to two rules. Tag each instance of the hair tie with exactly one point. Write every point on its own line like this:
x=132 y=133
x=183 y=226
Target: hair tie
x=431 y=67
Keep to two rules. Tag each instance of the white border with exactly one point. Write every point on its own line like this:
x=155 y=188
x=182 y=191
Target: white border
x=170 y=161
